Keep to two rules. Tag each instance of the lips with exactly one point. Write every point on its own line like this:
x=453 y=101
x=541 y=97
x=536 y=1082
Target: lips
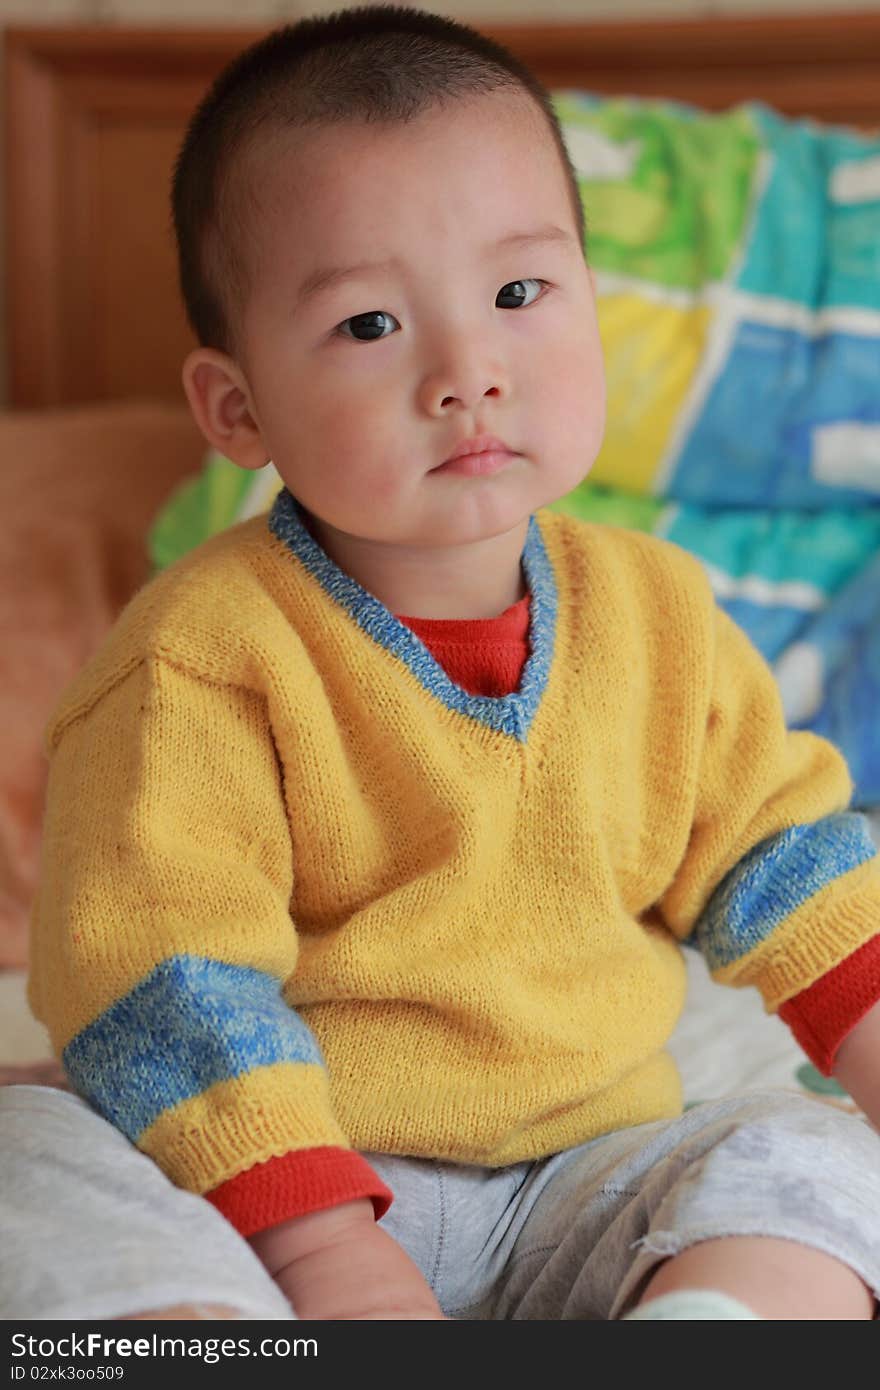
x=479 y=444
x=482 y=454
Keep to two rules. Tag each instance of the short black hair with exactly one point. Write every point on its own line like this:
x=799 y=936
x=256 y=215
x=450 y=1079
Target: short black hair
x=374 y=63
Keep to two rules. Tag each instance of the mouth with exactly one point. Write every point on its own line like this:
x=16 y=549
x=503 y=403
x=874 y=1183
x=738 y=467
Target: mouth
x=474 y=465
x=477 y=457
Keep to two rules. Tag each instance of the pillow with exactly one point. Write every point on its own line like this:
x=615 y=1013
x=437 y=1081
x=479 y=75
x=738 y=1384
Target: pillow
x=78 y=489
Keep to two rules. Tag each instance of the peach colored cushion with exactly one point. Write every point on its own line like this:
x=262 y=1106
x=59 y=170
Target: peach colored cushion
x=78 y=490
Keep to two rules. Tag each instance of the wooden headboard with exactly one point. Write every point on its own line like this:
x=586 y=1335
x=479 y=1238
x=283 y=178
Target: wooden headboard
x=94 y=116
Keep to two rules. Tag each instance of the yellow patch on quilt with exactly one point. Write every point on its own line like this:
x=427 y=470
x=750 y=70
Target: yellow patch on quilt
x=651 y=356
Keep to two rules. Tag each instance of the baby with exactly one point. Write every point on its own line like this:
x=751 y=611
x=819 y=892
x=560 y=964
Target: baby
x=375 y=828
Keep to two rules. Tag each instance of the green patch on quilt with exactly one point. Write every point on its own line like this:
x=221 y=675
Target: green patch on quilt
x=813 y=1080
x=592 y=502
x=667 y=188
x=198 y=509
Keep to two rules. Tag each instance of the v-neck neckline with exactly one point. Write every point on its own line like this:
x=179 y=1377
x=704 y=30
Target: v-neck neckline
x=510 y=714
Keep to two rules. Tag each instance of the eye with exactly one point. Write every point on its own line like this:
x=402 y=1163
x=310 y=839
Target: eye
x=517 y=290
x=369 y=326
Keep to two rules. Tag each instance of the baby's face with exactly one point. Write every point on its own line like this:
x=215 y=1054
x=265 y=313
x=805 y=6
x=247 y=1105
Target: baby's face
x=449 y=328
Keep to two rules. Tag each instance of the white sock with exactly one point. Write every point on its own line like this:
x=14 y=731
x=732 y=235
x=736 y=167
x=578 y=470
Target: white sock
x=692 y=1305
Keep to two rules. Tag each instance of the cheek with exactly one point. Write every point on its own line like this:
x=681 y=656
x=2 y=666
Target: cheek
x=353 y=413
x=358 y=450
x=383 y=492
x=575 y=376
x=576 y=394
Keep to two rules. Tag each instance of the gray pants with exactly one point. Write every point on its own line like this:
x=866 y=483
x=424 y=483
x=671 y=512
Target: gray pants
x=91 y=1229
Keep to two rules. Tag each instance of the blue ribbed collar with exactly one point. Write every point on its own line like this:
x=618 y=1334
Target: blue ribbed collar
x=510 y=714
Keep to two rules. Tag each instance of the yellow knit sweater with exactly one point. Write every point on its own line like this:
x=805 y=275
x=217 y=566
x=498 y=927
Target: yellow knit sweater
x=300 y=890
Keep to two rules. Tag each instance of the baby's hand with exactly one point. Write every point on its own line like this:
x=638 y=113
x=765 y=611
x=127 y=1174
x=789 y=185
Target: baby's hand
x=339 y=1264
x=35 y=1074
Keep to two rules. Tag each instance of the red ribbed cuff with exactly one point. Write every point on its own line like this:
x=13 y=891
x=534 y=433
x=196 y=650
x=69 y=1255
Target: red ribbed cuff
x=823 y=1015
x=299 y=1182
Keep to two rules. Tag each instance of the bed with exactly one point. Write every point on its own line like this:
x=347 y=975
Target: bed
x=97 y=437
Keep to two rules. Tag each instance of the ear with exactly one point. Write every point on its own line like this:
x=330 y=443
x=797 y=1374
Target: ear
x=219 y=398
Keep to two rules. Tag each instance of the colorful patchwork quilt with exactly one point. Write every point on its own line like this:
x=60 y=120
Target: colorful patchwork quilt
x=737 y=257
x=738 y=265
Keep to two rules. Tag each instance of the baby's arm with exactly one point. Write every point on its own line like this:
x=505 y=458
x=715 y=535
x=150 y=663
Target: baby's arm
x=779 y=884
x=162 y=945
x=338 y=1264
x=858 y=1065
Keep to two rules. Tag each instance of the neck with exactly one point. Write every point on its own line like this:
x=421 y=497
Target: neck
x=477 y=580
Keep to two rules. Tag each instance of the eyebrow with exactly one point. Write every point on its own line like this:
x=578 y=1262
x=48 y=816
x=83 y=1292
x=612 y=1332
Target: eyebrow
x=328 y=277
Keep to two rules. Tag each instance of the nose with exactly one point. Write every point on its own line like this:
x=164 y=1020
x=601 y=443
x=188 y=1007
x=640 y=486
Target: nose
x=466 y=377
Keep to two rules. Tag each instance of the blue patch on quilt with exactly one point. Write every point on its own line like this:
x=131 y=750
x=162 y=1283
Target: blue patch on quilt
x=776 y=415
x=815 y=238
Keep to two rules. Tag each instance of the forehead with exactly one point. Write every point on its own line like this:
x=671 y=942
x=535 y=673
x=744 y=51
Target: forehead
x=472 y=169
